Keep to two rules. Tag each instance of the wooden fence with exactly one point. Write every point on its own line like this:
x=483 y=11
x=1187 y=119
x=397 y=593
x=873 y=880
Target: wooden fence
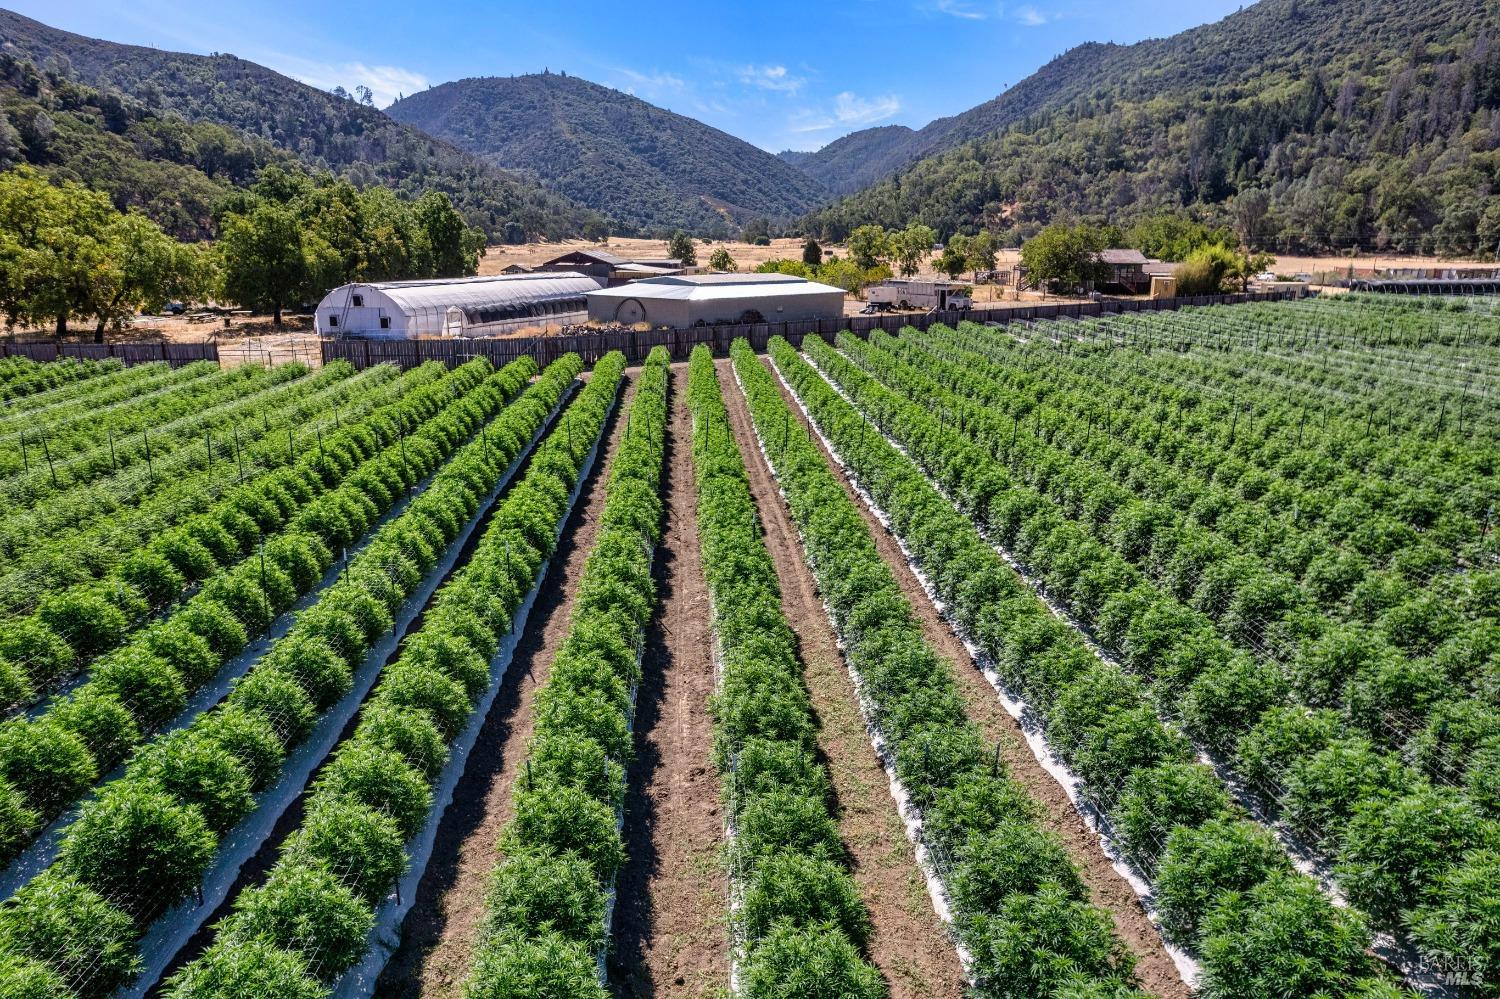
x=680 y=342
x=175 y=354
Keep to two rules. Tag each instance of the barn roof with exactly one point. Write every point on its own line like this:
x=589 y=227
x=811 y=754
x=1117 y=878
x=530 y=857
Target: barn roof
x=1122 y=257
x=708 y=287
x=415 y=297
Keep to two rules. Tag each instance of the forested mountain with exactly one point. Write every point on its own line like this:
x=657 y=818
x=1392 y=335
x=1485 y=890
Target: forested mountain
x=1309 y=123
x=858 y=159
x=647 y=168
x=323 y=131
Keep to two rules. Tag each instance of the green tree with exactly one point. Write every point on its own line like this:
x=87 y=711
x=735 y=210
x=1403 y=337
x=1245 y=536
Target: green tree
x=912 y=246
x=263 y=262
x=1063 y=257
x=722 y=261
x=680 y=247
x=812 y=253
x=955 y=257
x=869 y=245
x=66 y=253
x=981 y=252
x=455 y=247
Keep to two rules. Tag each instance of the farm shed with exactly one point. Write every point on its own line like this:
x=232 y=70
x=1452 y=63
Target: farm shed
x=707 y=299
x=1124 y=269
x=475 y=306
x=610 y=269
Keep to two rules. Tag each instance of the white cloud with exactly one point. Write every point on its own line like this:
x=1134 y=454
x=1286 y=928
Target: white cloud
x=771 y=78
x=386 y=83
x=958 y=8
x=1030 y=16
x=848 y=110
x=652 y=83
x=852 y=109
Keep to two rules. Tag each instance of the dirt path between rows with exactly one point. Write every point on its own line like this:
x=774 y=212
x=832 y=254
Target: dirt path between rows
x=1107 y=888
x=440 y=932
x=909 y=943
x=671 y=919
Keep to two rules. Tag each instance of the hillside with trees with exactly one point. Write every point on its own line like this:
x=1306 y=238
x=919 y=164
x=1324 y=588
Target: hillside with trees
x=324 y=131
x=650 y=170
x=1306 y=124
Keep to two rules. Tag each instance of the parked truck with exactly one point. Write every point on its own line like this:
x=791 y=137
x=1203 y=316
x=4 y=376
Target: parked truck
x=899 y=293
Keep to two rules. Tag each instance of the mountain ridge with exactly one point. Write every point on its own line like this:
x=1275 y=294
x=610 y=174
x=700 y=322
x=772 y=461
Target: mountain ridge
x=322 y=130
x=649 y=169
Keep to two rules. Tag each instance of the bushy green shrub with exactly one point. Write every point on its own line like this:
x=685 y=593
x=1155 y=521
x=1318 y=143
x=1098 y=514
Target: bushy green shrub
x=801 y=891
x=1163 y=798
x=307 y=909
x=1393 y=850
x=74 y=930
x=105 y=727
x=564 y=819
x=85 y=616
x=45 y=762
x=24 y=978
x=378 y=778
x=1200 y=864
x=245 y=969
x=138 y=846
x=1455 y=923
x=150 y=689
x=197 y=770
x=548 y=966
x=539 y=892
x=1035 y=943
x=1011 y=858
x=1281 y=938
x=360 y=844
x=808 y=963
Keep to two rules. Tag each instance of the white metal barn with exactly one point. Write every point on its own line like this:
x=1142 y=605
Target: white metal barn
x=467 y=307
x=690 y=300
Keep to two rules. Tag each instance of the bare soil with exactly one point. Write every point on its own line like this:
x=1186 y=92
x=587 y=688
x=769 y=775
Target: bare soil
x=440 y=932
x=671 y=928
x=1154 y=966
x=909 y=943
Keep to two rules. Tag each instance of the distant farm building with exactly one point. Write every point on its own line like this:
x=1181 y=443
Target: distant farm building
x=1124 y=270
x=469 y=307
x=710 y=299
x=609 y=269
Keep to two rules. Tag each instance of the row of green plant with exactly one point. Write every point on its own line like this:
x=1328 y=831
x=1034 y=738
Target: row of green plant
x=795 y=898
x=115 y=386
x=1019 y=906
x=1389 y=648
x=21 y=376
x=87 y=533
x=145 y=841
x=547 y=902
x=1335 y=397
x=309 y=921
x=1268 y=428
x=1223 y=887
x=69 y=429
x=176 y=421
x=72 y=627
x=50 y=760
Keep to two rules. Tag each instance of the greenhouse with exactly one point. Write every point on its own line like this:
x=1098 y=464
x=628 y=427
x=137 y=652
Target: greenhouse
x=459 y=307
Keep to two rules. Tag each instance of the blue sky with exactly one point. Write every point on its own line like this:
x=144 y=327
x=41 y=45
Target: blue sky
x=777 y=73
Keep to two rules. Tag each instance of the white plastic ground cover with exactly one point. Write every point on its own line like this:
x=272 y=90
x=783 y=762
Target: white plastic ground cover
x=385 y=936
x=736 y=893
x=43 y=851
x=169 y=934
x=1394 y=952
x=911 y=816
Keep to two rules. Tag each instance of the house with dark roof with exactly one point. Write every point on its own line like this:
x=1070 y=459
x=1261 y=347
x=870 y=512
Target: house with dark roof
x=1126 y=270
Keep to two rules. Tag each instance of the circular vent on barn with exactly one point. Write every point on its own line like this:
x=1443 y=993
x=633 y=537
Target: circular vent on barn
x=630 y=312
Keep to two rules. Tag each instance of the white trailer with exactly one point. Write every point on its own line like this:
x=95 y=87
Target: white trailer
x=898 y=293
